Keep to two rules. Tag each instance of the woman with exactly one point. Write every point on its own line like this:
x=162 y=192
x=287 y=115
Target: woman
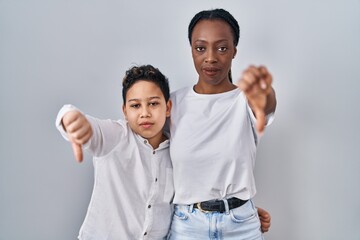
x=214 y=137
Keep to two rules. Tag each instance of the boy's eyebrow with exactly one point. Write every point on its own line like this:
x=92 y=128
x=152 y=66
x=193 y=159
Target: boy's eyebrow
x=138 y=99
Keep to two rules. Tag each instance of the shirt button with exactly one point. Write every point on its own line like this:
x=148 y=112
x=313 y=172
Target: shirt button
x=155 y=179
x=153 y=152
x=145 y=141
x=145 y=233
x=149 y=206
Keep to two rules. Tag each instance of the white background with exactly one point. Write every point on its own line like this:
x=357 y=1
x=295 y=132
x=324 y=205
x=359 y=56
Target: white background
x=62 y=51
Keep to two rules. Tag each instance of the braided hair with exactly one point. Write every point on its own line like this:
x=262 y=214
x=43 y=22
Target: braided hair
x=145 y=73
x=216 y=14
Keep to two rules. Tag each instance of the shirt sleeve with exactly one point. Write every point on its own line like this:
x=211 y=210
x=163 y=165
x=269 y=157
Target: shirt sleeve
x=106 y=133
x=65 y=109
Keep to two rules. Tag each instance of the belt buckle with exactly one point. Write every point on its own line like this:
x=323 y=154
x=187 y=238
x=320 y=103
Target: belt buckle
x=198 y=205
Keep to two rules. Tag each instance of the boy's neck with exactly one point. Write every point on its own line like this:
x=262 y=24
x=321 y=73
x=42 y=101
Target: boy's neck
x=155 y=143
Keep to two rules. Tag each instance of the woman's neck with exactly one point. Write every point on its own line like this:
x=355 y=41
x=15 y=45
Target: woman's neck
x=202 y=88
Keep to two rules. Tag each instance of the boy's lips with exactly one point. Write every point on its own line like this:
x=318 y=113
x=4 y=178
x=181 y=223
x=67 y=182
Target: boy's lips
x=146 y=124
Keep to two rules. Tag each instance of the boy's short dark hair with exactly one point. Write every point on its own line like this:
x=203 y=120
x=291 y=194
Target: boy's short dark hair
x=145 y=73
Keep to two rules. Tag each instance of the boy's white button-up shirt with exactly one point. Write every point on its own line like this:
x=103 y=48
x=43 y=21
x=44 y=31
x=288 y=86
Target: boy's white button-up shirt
x=133 y=186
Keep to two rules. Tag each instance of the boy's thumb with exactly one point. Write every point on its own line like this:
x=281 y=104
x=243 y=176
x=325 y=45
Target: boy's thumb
x=77 y=151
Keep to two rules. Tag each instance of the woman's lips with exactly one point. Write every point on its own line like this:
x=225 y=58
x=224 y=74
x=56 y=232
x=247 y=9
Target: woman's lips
x=210 y=71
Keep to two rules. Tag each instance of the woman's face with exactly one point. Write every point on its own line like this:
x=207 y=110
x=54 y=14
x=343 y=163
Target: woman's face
x=213 y=49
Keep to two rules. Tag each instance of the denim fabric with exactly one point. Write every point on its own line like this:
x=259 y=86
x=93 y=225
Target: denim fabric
x=240 y=223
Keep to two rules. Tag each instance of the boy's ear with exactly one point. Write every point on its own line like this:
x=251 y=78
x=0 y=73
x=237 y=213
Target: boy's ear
x=168 y=108
x=124 y=111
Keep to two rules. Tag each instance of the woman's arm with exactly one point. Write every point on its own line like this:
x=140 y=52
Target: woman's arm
x=256 y=84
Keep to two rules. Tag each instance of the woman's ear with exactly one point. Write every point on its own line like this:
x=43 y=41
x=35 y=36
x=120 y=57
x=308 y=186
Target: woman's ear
x=168 y=108
x=235 y=51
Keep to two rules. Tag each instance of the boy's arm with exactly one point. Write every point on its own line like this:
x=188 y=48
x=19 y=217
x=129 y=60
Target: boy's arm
x=97 y=136
x=74 y=127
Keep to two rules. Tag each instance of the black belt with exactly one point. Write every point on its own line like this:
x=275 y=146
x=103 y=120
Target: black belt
x=219 y=205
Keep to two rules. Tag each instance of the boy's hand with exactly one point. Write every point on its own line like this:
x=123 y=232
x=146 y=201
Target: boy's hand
x=256 y=84
x=79 y=131
x=265 y=219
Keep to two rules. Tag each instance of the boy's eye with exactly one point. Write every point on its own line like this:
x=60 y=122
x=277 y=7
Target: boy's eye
x=135 y=105
x=153 y=104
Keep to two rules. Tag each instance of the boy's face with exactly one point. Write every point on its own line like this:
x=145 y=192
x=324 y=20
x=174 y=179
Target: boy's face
x=146 y=110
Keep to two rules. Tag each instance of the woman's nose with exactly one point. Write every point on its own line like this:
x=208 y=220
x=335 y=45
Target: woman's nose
x=210 y=57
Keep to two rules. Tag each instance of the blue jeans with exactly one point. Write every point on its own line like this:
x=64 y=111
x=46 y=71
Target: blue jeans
x=240 y=223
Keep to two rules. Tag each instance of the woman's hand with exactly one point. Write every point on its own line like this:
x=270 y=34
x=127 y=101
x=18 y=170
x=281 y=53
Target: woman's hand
x=256 y=84
x=265 y=219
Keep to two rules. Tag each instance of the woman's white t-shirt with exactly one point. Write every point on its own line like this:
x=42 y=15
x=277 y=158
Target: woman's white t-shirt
x=213 y=146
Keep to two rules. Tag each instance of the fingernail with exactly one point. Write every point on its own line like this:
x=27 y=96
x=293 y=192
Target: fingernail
x=263 y=85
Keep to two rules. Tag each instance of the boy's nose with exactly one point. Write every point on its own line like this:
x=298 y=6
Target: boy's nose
x=145 y=113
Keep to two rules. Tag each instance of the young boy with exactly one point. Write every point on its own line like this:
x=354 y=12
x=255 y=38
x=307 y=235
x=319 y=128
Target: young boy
x=133 y=185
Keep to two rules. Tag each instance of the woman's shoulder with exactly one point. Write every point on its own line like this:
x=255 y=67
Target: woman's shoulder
x=180 y=93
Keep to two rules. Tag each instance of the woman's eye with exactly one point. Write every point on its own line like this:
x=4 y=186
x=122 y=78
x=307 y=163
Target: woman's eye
x=222 y=49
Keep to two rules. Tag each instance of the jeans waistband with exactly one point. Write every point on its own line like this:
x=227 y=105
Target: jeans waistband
x=221 y=206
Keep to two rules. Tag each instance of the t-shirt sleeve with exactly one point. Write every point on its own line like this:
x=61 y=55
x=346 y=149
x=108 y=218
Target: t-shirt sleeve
x=268 y=118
